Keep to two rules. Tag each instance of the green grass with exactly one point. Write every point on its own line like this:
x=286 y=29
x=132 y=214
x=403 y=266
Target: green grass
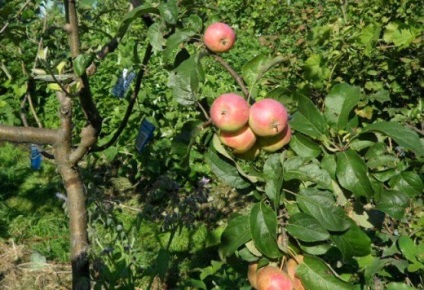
x=30 y=213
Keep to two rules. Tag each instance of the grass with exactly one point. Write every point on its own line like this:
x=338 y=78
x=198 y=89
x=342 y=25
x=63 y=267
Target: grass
x=137 y=239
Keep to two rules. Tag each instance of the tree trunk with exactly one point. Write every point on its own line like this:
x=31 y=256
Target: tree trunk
x=78 y=226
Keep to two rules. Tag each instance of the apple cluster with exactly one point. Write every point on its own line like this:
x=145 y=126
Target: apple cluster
x=244 y=128
x=248 y=129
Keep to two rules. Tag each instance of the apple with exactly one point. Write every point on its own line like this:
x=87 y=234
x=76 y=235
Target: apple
x=273 y=278
x=251 y=274
x=291 y=267
x=241 y=141
x=268 y=117
x=230 y=112
x=274 y=143
x=219 y=37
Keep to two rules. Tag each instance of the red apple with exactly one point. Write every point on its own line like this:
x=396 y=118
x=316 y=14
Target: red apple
x=268 y=117
x=241 y=141
x=274 y=143
x=219 y=37
x=230 y=112
x=273 y=278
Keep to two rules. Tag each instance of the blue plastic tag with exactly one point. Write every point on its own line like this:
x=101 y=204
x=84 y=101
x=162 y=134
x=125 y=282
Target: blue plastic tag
x=145 y=134
x=123 y=84
x=36 y=157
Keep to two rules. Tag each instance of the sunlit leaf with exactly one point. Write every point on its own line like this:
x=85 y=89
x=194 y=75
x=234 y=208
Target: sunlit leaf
x=352 y=173
x=263 y=225
x=306 y=228
x=393 y=202
x=169 y=11
x=155 y=36
x=273 y=175
x=320 y=205
x=301 y=123
x=402 y=135
x=352 y=243
x=305 y=147
x=315 y=274
x=407 y=182
x=339 y=103
x=255 y=68
x=185 y=80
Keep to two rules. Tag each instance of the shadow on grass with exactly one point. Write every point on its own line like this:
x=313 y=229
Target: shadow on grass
x=24 y=191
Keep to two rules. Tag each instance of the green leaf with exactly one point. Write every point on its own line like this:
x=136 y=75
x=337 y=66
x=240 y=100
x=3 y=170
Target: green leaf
x=369 y=36
x=193 y=23
x=169 y=11
x=408 y=248
x=308 y=109
x=133 y=15
x=316 y=70
x=185 y=80
x=318 y=248
x=352 y=243
x=402 y=35
x=295 y=168
x=381 y=96
x=373 y=268
x=255 y=68
x=306 y=228
x=225 y=170
x=407 y=182
x=352 y=173
x=304 y=146
x=301 y=123
x=320 y=205
x=339 y=103
x=173 y=43
x=393 y=202
x=236 y=234
x=263 y=226
x=155 y=36
x=398 y=286
x=402 y=135
x=221 y=150
x=328 y=163
x=82 y=62
x=315 y=274
x=273 y=175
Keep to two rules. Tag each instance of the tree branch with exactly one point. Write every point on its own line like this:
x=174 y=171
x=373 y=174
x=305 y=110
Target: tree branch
x=94 y=121
x=234 y=74
x=28 y=135
x=140 y=75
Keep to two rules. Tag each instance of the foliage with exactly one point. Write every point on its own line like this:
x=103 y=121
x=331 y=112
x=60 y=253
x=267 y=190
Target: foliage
x=346 y=193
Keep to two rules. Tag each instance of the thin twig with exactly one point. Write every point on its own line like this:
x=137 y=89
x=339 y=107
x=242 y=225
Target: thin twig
x=421 y=132
x=205 y=113
x=17 y=14
x=234 y=74
x=140 y=75
x=49 y=70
